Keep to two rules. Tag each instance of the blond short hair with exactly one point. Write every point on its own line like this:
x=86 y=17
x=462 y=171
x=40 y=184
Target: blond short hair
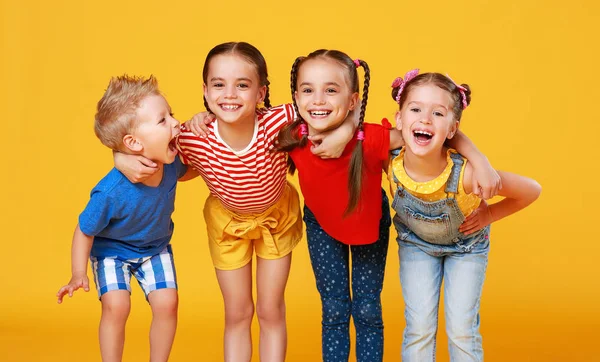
x=115 y=115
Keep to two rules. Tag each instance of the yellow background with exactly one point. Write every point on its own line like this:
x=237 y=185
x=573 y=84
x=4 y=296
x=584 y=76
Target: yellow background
x=533 y=68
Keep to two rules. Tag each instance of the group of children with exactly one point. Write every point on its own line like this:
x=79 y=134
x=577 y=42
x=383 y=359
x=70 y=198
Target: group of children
x=243 y=148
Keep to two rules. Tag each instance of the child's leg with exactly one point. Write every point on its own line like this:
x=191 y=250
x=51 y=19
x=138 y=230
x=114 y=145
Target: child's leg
x=157 y=277
x=464 y=275
x=368 y=267
x=236 y=287
x=421 y=278
x=164 y=323
x=271 y=279
x=112 y=276
x=329 y=259
x=115 y=310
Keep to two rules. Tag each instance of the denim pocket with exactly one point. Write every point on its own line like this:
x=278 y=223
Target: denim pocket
x=433 y=229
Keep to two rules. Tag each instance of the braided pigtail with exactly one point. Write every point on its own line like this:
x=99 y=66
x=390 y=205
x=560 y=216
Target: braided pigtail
x=288 y=137
x=206 y=106
x=355 y=173
x=267 y=101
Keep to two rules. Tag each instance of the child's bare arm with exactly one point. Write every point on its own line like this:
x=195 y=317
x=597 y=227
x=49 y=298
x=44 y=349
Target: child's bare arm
x=486 y=181
x=198 y=124
x=518 y=192
x=396 y=140
x=189 y=174
x=80 y=252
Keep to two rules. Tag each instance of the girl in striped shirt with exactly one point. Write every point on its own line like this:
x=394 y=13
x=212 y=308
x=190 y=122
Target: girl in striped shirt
x=251 y=205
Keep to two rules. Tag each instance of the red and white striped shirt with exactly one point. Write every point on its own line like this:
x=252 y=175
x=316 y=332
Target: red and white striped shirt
x=248 y=181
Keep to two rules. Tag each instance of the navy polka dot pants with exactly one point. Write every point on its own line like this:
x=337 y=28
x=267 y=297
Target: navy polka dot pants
x=330 y=262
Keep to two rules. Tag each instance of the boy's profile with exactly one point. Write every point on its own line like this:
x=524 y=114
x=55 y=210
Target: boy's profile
x=126 y=228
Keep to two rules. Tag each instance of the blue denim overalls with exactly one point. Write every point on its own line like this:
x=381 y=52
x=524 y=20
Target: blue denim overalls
x=431 y=249
x=423 y=223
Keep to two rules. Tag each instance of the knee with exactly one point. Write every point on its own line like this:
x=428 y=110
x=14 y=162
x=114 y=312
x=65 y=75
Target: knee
x=367 y=311
x=421 y=325
x=166 y=305
x=269 y=312
x=462 y=328
x=336 y=310
x=116 y=308
x=240 y=312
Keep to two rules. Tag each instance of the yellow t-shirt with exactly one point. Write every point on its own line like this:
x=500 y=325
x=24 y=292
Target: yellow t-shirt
x=433 y=190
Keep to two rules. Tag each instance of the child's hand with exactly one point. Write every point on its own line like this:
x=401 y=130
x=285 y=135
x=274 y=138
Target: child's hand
x=486 y=181
x=136 y=168
x=198 y=124
x=326 y=147
x=76 y=282
x=478 y=219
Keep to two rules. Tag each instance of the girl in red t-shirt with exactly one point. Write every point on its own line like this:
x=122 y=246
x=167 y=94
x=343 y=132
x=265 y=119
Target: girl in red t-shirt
x=345 y=207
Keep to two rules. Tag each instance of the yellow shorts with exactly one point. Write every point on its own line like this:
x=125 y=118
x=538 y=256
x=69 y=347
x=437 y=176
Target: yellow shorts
x=273 y=234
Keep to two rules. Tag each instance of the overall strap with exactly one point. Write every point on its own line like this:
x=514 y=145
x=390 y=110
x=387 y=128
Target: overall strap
x=452 y=184
x=395 y=154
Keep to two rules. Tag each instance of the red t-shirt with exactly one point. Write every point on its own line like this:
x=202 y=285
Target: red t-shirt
x=324 y=184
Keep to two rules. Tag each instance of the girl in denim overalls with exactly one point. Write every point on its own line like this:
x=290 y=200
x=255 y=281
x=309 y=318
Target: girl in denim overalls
x=443 y=228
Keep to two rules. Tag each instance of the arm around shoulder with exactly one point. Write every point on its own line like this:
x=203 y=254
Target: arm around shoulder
x=518 y=192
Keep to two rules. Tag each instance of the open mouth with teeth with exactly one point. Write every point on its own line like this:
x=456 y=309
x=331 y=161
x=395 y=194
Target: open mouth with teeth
x=229 y=107
x=422 y=137
x=319 y=113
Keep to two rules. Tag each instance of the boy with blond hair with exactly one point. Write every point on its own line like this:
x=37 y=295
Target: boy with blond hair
x=126 y=228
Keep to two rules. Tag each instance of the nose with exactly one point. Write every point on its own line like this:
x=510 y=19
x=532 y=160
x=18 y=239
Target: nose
x=426 y=119
x=174 y=123
x=230 y=91
x=318 y=98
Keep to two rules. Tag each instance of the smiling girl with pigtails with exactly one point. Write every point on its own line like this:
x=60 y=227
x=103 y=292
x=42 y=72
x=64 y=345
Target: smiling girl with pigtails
x=443 y=228
x=346 y=212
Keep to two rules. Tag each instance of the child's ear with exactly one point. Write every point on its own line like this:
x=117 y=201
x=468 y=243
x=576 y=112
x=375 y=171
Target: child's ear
x=354 y=101
x=453 y=130
x=399 y=121
x=262 y=92
x=132 y=143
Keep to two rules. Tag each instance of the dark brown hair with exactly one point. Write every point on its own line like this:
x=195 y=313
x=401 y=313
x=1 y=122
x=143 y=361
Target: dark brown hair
x=288 y=137
x=250 y=54
x=438 y=80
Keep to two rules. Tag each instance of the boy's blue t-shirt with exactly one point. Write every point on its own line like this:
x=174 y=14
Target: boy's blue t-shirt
x=131 y=220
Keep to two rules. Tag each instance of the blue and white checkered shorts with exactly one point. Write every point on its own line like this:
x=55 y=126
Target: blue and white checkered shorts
x=152 y=272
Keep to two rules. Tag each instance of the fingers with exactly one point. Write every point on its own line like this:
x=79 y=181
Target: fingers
x=487 y=192
x=196 y=126
x=317 y=138
x=86 y=285
x=469 y=223
x=476 y=188
x=472 y=229
x=318 y=150
x=67 y=289
x=61 y=293
x=148 y=163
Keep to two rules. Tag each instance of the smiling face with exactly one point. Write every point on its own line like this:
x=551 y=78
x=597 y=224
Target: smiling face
x=426 y=119
x=323 y=94
x=232 y=89
x=155 y=132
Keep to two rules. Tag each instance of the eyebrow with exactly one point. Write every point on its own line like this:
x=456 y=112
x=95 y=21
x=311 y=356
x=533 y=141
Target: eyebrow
x=328 y=83
x=419 y=103
x=238 y=79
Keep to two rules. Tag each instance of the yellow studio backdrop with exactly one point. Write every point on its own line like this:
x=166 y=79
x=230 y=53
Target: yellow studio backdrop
x=533 y=68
